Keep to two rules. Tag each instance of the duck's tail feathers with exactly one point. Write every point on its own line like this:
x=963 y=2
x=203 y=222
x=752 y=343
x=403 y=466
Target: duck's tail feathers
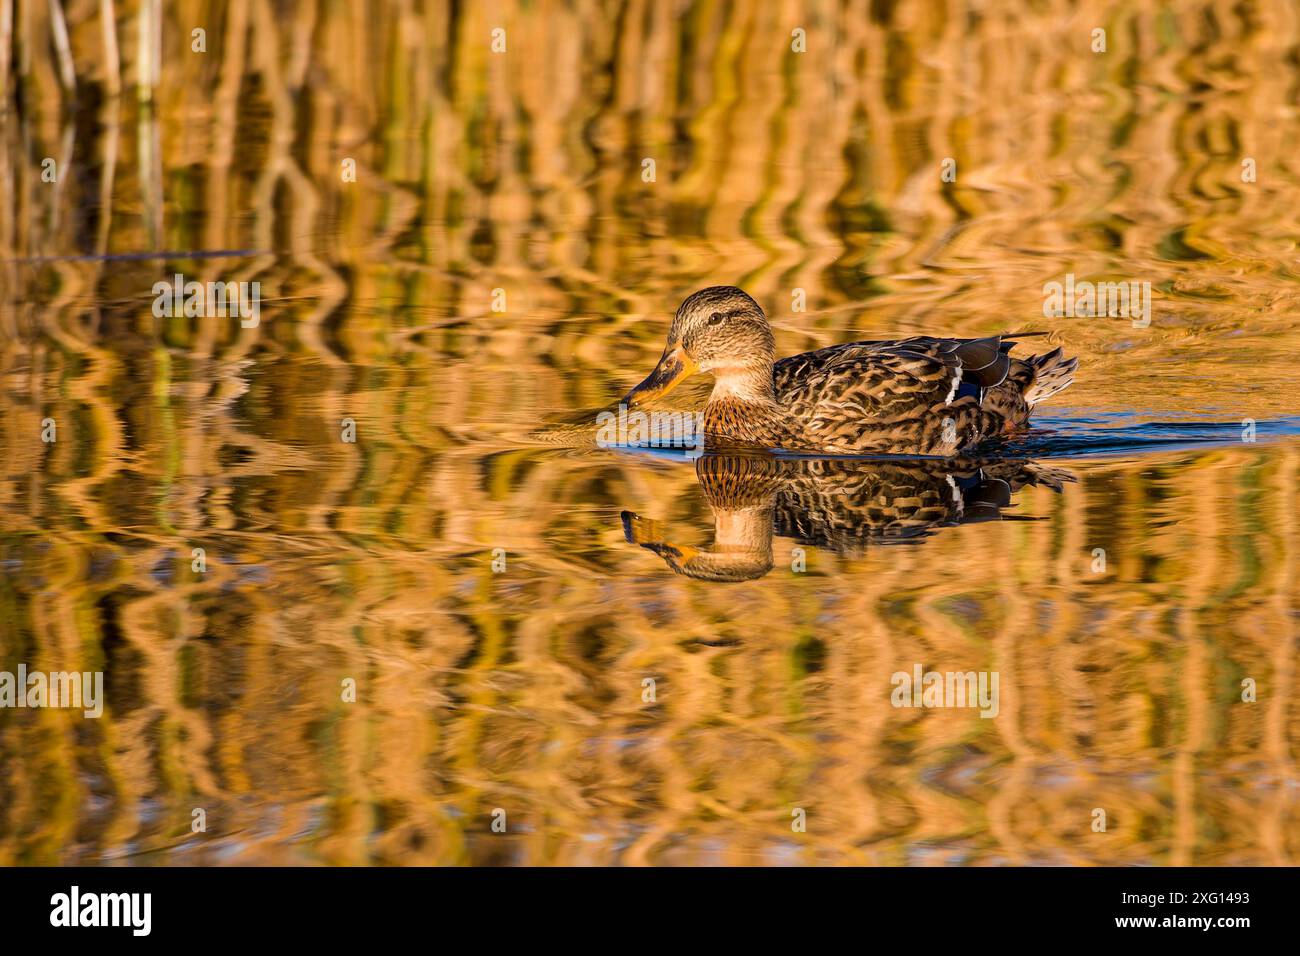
x=1052 y=373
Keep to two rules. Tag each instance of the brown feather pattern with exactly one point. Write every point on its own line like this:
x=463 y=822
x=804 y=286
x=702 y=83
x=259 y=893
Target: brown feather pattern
x=891 y=397
x=902 y=396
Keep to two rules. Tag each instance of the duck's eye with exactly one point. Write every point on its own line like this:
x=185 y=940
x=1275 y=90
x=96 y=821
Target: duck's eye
x=716 y=318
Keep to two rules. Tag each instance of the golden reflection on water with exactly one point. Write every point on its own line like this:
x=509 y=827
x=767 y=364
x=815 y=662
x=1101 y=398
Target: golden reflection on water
x=523 y=690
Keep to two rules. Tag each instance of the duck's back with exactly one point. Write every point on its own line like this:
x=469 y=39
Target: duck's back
x=921 y=395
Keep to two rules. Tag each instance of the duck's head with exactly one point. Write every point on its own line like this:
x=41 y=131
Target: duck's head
x=728 y=560
x=720 y=330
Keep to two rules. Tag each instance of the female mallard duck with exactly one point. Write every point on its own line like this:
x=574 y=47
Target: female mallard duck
x=916 y=396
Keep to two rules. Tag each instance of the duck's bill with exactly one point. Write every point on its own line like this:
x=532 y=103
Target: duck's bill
x=673 y=369
x=649 y=535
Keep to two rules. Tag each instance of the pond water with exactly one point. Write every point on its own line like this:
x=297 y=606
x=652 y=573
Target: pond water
x=360 y=591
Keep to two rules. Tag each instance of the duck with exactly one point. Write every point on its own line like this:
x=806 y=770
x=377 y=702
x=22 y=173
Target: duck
x=923 y=395
x=841 y=505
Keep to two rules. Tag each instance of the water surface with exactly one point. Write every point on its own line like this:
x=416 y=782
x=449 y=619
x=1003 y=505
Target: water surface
x=501 y=600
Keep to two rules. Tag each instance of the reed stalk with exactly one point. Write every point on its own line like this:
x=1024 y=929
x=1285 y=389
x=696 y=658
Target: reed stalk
x=62 y=48
x=149 y=57
x=112 y=58
x=6 y=46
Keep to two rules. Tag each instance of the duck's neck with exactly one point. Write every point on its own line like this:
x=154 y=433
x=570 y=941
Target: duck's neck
x=743 y=406
x=751 y=384
x=747 y=530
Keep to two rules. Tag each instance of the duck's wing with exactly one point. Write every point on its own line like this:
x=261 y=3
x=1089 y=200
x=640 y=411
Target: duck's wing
x=845 y=505
x=888 y=380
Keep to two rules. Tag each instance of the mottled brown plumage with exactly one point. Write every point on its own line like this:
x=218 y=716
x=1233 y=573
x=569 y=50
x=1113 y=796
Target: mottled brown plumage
x=919 y=396
x=841 y=505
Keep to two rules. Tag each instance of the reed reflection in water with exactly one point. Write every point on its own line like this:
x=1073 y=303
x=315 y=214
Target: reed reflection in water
x=523 y=689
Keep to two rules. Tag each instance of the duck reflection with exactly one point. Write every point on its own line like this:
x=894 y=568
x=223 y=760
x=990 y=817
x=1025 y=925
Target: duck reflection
x=835 y=504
